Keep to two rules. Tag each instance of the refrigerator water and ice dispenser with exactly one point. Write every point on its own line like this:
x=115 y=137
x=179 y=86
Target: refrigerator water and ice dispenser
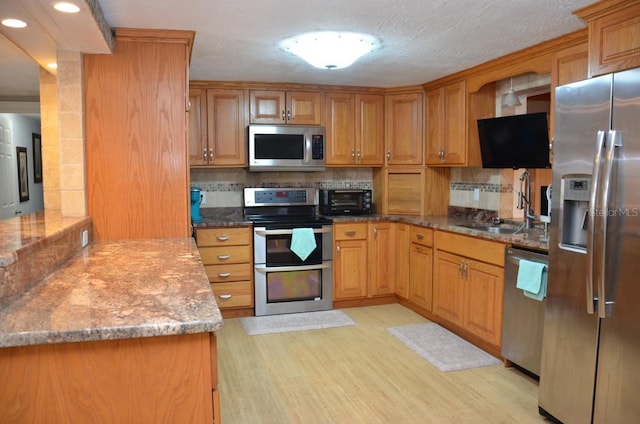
x=574 y=212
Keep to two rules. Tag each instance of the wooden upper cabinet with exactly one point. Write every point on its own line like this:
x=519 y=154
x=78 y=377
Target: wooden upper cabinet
x=226 y=130
x=355 y=129
x=614 y=35
x=446 y=141
x=403 y=117
x=285 y=107
x=198 y=146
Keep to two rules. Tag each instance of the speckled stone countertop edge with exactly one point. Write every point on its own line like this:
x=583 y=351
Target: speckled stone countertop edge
x=116 y=290
x=533 y=239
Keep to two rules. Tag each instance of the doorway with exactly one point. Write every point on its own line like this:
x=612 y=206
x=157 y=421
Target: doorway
x=8 y=190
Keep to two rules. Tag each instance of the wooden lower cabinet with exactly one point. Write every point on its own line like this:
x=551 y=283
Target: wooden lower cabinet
x=381 y=258
x=165 y=379
x=468 y=284
x=350 y=268
x=421 y=266
x=403 y=244
x=227 y=255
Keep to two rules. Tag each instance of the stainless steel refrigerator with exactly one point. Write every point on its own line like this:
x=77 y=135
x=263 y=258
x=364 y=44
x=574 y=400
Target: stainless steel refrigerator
x=591 y=344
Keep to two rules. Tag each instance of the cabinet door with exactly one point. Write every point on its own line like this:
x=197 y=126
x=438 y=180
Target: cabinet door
x=404 y=129
x=455 y=127
x=381 y=258
x=304 y=107
x=350 y=269
x=483 y=294
x=198 y=148
x=402 y=259
x=370 y=129
x=434 y=131
x=420 y=275
x=267 y=107
x=226 y=127
x=447 y=287
x=341 y=128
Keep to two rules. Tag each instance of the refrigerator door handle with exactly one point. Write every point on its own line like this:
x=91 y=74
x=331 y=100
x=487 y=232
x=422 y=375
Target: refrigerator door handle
x=605 y=305
x=594 y=203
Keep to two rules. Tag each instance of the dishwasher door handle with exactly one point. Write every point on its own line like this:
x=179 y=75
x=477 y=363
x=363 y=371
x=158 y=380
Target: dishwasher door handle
x=516 y=260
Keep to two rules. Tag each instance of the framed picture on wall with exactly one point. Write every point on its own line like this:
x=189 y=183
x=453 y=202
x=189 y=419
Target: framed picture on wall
x=37 y=157
x=23 y=173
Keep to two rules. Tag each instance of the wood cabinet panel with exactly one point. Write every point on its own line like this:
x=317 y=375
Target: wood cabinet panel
x=404 y=126
x=228 y=272
x=370 y=129
x=226 y=254
x=290 y=107
x=484 y=288
x=233 y=295
x=350 y=269
x=143 y=380
x=403 y=244
x=448 y=301
x=198 y=145
x=223 y=236
x=614 y=35
x=226 y=127
x=381 y=258
x=421 y=235
x=446 y=125
x=471 y=247
x=421 y=275
x=350 y=231
x=135 y=132
x=341 y=128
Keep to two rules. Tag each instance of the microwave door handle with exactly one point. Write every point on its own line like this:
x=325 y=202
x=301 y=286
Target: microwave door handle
x=594 y=204
x=307 y=148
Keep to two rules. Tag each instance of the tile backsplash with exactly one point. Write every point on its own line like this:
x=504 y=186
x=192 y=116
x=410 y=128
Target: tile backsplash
x=224 y=187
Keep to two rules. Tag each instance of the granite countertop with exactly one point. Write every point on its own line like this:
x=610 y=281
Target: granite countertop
x=22 y=235
x=532 y=239
x=115 y=290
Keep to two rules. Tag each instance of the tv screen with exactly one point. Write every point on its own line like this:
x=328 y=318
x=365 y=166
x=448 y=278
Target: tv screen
x=520 y=141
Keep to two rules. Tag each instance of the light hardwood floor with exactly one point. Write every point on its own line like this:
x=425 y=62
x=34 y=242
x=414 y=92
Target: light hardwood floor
x=359 y=374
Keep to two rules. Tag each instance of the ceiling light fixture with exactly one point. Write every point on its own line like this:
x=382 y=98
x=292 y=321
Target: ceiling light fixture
x=14 y=23
x=66 y=7
x=510 y=98
x=330 y=50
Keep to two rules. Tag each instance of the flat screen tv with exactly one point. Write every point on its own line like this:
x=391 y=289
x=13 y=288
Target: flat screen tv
x=519 y=141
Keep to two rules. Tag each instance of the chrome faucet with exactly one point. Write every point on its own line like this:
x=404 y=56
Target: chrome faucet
x=524 y=201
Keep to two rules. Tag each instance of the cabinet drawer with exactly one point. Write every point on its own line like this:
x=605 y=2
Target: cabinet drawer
x=229 y=272
x=421 y=235
x=223 y=236
x=350 y=231
x=471 y=247
x=233 y=295
x=225 y=255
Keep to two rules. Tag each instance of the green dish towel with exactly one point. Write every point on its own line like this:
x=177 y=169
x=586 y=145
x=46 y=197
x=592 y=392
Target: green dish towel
x=303 y=242
x=532 y=279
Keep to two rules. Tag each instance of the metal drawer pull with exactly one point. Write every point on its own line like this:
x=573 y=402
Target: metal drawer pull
x=222 y=238
x=350 y=233
x=223 y=257
x=225 y=296
x=224 y=274
x=419 y=236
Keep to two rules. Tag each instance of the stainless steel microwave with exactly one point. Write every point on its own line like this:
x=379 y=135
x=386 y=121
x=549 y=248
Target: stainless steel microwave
x=286 y=148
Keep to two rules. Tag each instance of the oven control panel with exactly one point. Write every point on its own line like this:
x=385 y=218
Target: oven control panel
x=280 y=196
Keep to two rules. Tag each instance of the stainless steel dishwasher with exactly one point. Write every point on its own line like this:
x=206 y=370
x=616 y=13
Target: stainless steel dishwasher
x=523 y=317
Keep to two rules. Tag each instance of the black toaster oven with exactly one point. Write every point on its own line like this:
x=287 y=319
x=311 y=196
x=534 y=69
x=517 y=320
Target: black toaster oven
x=345 y=202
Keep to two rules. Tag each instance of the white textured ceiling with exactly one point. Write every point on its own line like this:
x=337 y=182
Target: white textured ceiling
x=422 y=40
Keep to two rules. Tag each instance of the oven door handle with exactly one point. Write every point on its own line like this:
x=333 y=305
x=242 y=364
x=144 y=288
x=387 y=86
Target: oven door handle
x=264 y=268
x=288 y=231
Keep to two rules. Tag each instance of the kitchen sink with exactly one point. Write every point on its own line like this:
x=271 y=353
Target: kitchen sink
x=491 y=228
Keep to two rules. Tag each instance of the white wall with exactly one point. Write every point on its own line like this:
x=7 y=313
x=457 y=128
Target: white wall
x=22 y=128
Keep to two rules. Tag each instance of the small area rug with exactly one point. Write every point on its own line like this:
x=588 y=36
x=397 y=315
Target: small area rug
x=295 y=322
x=443 y=349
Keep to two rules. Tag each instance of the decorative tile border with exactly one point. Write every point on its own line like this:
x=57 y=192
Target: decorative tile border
x=233 y=187
x=484 y=187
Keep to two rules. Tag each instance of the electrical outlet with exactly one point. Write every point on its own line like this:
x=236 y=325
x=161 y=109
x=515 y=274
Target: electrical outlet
x=203 y=197
x=476 y=194
x=84 y=238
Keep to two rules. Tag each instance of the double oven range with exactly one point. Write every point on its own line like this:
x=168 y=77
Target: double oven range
x=284 y=282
